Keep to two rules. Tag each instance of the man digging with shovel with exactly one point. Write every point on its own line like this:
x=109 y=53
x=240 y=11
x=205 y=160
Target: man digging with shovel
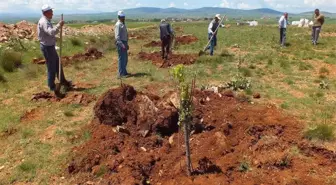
x=47 y=37
x=212 y=33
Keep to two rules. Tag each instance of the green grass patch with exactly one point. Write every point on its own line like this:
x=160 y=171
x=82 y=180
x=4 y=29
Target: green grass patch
x=10 y=60
x=76 y=41
x=324 y=132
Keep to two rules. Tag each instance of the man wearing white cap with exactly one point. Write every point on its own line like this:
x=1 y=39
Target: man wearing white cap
x=47 y=37
x=121 y=37
x=214 y=24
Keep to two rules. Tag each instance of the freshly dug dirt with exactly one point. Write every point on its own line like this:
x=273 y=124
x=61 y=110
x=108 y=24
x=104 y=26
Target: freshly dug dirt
x=21 y=30
x=185 y=39
x=32 y=115
x=89 y=55
x=233 y=142
x=71 y=98
x=153 y=44
x=174 y=59
x=182 y=40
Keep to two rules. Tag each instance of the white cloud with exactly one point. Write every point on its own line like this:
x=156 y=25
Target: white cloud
x=138 y=5
x=243 y=6
x=225 y=4
x=314 y=3
x=185 y=4
x=172 y=4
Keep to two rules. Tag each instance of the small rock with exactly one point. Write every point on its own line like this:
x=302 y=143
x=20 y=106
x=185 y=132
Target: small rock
x=220 y=95
x=143 y=149
x=2 y=167
x=171 y=139
x=62 y=178
x=256 y=96
x=89 y=183
x=207 y=99
x=228 y=93
x=122 y=129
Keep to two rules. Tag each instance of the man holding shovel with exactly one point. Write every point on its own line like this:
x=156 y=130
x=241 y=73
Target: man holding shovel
x=47 y=37
x=318 y=20
x=212 y=32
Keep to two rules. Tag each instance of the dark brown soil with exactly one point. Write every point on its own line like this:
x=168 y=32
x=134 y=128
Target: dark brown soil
x=174 y=59
x=90 y=54
x=233 y=142
x=70 y=98
x=182 y=40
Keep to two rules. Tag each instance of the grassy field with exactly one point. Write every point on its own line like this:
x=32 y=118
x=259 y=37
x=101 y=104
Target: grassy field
x=301 y=79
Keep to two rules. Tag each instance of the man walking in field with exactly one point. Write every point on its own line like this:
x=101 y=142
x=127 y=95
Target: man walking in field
x=318 y=20
x=121 y=37
x=283 y=22
x=166 y=36
x=212 y=32
x=47 y=37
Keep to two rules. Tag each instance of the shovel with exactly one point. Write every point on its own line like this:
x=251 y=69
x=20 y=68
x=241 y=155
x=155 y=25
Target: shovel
x=59 y=86
x=202 y=52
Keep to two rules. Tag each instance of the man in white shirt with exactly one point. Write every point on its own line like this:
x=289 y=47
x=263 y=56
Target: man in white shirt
x=283 y=22
x=121 y=38
x=212 y=32
x=47 y=37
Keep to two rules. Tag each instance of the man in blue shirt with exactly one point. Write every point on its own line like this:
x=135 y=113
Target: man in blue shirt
x=121 y=37
x=283 y=22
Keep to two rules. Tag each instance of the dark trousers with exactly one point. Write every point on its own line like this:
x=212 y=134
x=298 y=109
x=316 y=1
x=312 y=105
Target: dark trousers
x=283 y=36
x=165 y=46
x=52 y=61
x=315 y=34
x=122 y=59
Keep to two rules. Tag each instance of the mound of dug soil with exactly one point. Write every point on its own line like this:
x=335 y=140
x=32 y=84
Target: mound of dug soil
x=90 y=54
x=174 y=59
x=182 y=40
x=71 y=98
x=233 y=142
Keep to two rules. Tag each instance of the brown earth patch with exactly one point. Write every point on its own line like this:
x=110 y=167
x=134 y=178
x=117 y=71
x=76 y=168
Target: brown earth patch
x=329 y=34
x=318 y=64
x=181 y=40
x=233 y=142
x=174 y=59
x=70 y=98
x=32 y=115
x=89 y=55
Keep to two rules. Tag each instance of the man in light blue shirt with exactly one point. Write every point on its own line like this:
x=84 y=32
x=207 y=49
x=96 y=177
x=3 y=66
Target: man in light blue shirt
x=283 y=22
x=121 y=37
x=47 y=37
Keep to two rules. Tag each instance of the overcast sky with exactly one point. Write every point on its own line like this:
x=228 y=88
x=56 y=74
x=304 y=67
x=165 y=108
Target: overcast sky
x=81 y=6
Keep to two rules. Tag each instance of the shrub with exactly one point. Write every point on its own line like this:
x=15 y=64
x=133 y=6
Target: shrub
x=323 y=132
x=324 y=70
x=239 y=83
x=75 y=41
x=10 y=60
x=2 y=78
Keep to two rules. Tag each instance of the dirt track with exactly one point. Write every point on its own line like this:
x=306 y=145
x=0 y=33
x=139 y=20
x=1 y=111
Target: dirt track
x=174 y=59
x=233 y=142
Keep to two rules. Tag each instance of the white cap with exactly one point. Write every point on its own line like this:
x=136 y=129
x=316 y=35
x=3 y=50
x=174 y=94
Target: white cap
x=121 y=14
x=163 y=20
x=46 y=8
x=218 y=16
